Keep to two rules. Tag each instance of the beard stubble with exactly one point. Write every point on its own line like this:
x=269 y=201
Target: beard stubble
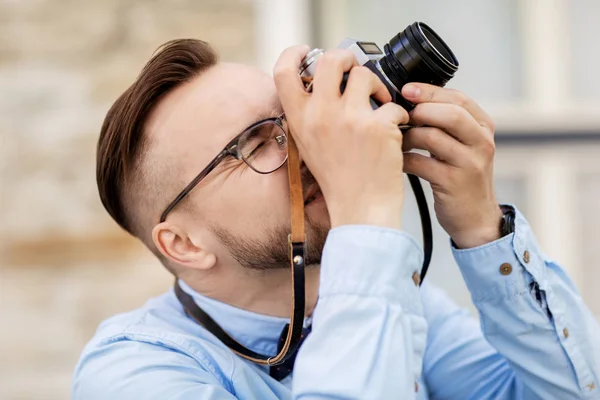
x=272 y=251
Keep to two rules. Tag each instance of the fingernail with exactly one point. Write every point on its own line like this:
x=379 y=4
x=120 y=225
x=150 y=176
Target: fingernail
x=411 y=91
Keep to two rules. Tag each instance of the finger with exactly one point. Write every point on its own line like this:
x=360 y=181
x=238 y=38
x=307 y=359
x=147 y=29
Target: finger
x=430 y=169
x=426 y=93
x=434 y=140
x=392 y=112
x=329 y=72
x=363 y=83
x=289 y=86
x=453 y=119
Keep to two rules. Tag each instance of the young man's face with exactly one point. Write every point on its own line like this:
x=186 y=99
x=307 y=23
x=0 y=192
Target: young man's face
x=240 y=214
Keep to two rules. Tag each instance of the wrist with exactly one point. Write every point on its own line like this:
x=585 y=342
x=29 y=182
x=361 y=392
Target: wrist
x=487 y=232
x=387 y=214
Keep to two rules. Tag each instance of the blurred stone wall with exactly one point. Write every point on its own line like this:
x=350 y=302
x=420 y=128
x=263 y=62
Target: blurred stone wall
x=64 y=264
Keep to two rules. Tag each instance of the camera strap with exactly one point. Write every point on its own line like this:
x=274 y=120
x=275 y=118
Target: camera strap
x=296 y=243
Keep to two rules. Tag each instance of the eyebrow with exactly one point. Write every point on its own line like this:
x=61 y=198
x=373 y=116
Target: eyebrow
x=273 y=110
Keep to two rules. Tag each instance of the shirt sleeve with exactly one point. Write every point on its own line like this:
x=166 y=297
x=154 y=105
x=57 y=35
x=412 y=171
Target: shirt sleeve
x=131 y=370
x=533 y=315
x=369 y=333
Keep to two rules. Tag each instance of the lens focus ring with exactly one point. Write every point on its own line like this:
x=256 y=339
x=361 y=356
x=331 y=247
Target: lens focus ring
x=307 y=65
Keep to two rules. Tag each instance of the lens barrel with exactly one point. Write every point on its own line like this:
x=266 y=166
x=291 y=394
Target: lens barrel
x=418 y=54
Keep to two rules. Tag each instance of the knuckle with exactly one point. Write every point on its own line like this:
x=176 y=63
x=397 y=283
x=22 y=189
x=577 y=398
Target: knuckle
x=324 y=62
x=328 y=58
x=334 y=59
x=429 y=137
x=460 y=99
x=343 y=54
x=331 y=58
x=489 y=147
x=456 y=114
x=362 y=125
x=479 y=166
x=357 y=127
x=490 y=125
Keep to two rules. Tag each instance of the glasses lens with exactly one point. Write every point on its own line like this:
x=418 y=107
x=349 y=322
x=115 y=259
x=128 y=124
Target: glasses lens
x=264 y=147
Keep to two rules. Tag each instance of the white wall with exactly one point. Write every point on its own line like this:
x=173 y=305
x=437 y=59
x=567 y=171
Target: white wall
x=530 y=64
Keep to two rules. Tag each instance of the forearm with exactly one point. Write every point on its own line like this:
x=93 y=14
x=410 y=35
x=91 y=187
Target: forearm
x=368 y=332
x=533 y=315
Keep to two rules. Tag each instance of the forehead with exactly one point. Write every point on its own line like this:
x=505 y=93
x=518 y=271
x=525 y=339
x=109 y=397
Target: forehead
x=208 y=111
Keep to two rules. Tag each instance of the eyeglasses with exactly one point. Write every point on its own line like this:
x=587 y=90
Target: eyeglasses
x=262 y=146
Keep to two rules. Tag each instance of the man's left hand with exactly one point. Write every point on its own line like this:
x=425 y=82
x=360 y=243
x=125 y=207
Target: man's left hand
x=459 y=135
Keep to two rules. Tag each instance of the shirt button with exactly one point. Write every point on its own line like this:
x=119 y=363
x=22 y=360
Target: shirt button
x=505 y=269
x=566 y=333
x=526 y=256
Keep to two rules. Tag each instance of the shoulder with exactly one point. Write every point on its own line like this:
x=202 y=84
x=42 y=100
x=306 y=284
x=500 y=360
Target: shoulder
x=151 y=343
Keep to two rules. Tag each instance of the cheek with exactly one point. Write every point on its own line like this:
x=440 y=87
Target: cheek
x=251 y=200
x=272 y=195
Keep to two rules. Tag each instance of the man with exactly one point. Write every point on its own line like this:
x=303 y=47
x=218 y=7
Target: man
x=374 y=333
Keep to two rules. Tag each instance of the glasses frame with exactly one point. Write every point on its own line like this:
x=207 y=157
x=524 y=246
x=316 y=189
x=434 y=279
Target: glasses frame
x=230 y=149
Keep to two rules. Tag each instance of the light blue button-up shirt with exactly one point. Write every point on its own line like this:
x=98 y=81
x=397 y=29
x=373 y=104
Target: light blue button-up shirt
x=374 y=334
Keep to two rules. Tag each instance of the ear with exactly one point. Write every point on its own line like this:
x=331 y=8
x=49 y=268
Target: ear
x=178 y=246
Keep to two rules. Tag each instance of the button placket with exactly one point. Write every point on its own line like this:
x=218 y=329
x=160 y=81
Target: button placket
x=522 y=250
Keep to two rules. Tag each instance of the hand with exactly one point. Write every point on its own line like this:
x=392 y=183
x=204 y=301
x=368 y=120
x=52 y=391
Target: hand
x=354 y=153
x=460 y=137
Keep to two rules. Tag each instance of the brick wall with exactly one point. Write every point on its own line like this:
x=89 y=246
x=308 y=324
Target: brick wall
x=64 y=265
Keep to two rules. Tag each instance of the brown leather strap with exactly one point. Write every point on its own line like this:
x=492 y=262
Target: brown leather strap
x=296 y=241
x=297 y=247
x=296 y=197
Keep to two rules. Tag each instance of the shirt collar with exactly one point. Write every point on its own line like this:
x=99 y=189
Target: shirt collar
x=258 y=332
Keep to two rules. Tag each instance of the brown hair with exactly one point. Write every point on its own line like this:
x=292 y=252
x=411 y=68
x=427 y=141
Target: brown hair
x=124 y=179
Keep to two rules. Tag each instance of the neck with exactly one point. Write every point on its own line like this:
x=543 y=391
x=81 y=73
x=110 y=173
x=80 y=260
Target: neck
x=267 y=292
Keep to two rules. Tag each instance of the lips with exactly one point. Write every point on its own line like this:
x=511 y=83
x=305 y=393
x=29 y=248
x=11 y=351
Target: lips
x=311 y=193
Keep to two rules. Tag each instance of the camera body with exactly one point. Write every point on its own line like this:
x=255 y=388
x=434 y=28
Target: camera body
x=417 y=54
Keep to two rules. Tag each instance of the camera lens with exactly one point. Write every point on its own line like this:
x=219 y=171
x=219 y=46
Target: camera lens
x=418 y=54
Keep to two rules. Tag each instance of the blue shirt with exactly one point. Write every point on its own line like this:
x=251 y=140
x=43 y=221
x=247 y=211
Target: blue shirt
x=374 y=333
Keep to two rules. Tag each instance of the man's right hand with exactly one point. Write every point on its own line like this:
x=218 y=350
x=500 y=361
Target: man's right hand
x=354 y=152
